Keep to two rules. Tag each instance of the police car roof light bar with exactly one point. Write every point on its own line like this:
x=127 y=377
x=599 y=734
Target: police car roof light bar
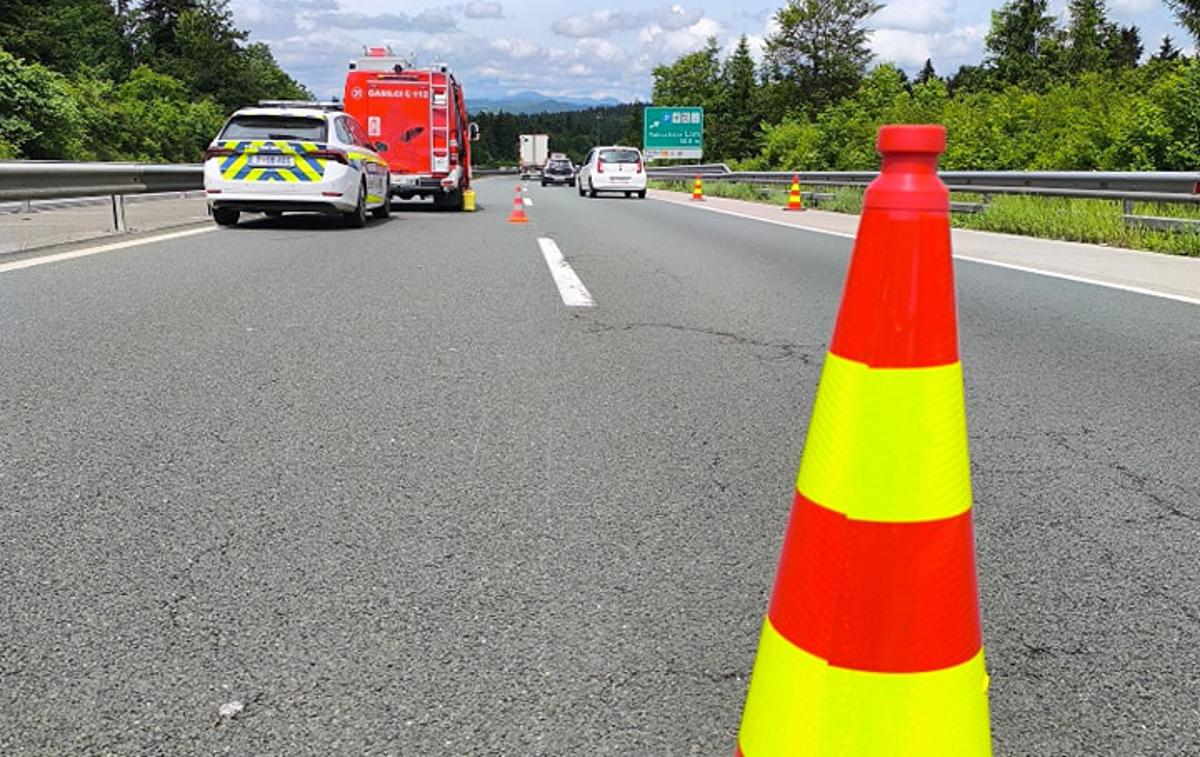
x=319 y=104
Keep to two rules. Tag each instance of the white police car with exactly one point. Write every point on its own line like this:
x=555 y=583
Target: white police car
x=295 y=156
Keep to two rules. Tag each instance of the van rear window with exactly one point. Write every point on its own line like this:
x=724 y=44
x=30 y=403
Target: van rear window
x=620 y=156
x=276 y=127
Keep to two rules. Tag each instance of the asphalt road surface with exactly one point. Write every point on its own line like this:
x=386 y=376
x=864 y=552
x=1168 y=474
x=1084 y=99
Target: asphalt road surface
x=293 y=489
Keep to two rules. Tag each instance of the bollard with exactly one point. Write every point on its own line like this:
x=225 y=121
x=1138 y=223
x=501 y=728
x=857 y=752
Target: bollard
x=118 y=213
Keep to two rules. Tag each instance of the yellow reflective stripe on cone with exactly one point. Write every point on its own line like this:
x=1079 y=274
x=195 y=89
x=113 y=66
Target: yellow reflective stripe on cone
x=888 y=444
x=800 y=705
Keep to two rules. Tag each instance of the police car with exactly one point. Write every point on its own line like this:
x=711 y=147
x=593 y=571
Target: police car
x=295 y=156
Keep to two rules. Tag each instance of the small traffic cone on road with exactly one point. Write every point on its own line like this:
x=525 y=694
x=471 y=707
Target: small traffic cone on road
x=698 y=189
x=872 y=644
x=794 y=201
x=518 y=209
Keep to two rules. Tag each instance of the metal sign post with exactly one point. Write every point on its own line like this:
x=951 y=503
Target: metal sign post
x=673 y=132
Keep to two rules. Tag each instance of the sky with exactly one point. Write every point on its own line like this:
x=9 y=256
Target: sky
x=569 y=48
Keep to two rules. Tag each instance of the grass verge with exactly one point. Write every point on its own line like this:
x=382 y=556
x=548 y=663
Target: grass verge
x=1068 y=219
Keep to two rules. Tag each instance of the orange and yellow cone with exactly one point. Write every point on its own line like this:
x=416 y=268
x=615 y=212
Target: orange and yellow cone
x=872 y=644
x=794 y=201
x=698 y=189
x=518 y=209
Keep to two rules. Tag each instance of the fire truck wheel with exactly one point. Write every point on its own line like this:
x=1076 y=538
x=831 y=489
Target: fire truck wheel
x=357 y=218
x=225 y=216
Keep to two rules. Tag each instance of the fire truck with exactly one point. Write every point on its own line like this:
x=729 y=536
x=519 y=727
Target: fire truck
x=416 y=118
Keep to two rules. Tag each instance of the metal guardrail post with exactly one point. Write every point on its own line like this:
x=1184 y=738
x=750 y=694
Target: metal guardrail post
x=118 y=213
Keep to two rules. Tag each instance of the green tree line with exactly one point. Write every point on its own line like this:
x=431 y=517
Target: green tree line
x=1083 y=95
x=150 y=81
x=573 y=132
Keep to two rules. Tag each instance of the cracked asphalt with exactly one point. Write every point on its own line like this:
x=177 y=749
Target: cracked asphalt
x=293 y=489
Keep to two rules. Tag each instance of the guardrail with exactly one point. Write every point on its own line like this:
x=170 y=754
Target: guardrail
x=1128 y=187
x=53 y=180
x=27 y=180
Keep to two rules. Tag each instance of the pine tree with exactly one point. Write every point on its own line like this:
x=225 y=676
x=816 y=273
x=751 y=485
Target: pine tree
x=820 y=52
x=1167 y=51
x=1087 y=33
x=1016 y=43
x=927 y=72
x=1188 y=13
x=1124 y=46
x=739 y=102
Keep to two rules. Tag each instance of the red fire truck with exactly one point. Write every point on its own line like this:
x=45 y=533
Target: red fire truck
x=416 y=118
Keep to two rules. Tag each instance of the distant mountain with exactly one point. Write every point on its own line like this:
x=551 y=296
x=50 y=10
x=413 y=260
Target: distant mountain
x=534 y=102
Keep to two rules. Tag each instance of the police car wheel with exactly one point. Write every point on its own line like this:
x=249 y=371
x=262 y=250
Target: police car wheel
x=641 y=194
x=225 y=216
x=384 y=210
x=591 y=189
x=357 y=218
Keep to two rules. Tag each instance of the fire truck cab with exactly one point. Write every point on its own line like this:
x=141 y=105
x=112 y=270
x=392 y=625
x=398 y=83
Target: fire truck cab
x=417 y=120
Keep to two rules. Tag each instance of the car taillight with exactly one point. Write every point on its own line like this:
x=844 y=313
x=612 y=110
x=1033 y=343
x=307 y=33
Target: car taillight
x=599 y=166
x=217 y=152
x=639 y=165
x=336 y=155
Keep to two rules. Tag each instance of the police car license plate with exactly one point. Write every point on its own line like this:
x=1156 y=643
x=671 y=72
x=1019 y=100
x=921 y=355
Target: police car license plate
x=272 y=161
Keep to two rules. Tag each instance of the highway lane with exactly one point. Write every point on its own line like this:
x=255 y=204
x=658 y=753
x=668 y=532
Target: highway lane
x=386 y=491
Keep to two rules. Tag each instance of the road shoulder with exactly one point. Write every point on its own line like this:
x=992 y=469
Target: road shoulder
x=1151 y=273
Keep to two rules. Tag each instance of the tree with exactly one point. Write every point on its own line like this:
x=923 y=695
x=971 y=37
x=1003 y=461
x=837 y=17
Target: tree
x=1015 y=44
x=820 y=53
x=738 y=104
x=1123 y=46
x=38 y=118
x=927 y=72
x=1087 y=33
x=693 y=79
x=1188 y=13
x=68 y=36
x=1167 y=52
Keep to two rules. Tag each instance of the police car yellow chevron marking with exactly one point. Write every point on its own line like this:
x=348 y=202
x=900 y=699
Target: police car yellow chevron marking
x=304 y=168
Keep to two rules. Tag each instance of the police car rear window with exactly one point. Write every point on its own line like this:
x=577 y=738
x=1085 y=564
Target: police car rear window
x=619 y=156
x=276 y=127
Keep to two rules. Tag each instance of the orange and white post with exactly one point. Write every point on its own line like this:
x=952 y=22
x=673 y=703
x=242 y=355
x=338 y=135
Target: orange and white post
x=871 y=644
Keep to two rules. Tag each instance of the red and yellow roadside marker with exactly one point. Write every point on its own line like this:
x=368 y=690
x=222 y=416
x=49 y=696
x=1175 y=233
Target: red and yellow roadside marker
x=698 y=189
x=872 y=643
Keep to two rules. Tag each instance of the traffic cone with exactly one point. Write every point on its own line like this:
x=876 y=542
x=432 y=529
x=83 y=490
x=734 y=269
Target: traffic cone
x=698 y=189
x=794 y=201
x=872 y=645
x=518 y=210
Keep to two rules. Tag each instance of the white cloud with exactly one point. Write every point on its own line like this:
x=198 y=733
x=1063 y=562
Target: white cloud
x=948 y=50
x=605 y=22
x=483 y=10
x=429 y=20
x=1134 y=6
x=516 y=49
x=672 y=43
x=913 y=15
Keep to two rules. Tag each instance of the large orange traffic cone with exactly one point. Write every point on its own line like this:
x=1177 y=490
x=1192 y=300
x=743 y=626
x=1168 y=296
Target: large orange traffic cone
x=518 y=209
x=871 y=644
x=794 y=201
x=698 y=189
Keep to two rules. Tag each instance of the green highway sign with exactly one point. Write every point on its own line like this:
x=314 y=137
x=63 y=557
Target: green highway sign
x=673 y=132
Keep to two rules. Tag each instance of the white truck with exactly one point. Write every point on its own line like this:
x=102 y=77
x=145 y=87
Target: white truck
x=534 y=152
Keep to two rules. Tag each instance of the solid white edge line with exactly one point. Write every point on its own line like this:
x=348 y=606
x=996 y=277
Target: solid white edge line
x=574 y=294
x=968 y=258
x=17 y=265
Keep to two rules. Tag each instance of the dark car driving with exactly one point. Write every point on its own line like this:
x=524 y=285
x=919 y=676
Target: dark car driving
x=558 y=171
